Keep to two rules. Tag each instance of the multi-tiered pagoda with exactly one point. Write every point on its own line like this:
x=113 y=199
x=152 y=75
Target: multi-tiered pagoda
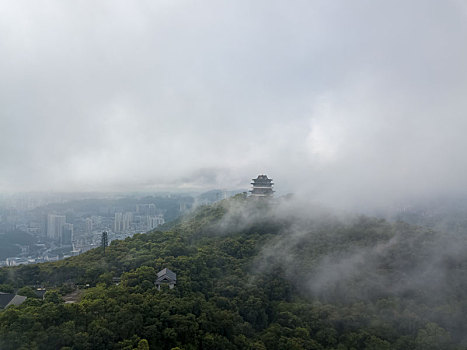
x=262 y=187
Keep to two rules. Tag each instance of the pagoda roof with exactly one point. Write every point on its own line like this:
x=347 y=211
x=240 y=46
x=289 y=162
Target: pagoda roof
x=166 y=273
x=262 y=177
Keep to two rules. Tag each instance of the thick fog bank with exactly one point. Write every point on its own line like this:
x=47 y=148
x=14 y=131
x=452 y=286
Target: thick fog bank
x=346 y=257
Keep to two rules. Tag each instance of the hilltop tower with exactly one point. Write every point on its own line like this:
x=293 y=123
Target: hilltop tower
x=262 y=187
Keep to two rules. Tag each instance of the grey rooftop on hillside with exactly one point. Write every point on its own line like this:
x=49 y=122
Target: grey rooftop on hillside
x=7 y=299
x=166 y=276
x=166 y=272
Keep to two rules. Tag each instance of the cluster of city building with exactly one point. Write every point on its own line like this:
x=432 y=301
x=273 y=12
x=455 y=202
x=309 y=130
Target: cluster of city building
x=60 y=229
x=146 y=217
x=62 y=234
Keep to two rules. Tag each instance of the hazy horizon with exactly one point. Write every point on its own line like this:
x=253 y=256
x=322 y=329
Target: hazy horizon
x=345 y=102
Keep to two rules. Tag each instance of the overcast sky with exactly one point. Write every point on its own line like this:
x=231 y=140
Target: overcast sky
x=346 y=99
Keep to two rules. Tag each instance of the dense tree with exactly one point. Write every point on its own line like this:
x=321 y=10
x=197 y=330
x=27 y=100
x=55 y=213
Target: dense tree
x=247 y=284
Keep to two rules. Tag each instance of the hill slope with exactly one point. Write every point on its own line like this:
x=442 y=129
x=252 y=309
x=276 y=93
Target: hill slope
x=253 y=275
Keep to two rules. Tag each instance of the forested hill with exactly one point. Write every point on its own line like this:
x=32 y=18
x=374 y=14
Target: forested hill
x=252 y=275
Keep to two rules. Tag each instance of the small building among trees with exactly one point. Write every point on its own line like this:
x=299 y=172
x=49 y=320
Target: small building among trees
x=7 y=299
x=166 y=276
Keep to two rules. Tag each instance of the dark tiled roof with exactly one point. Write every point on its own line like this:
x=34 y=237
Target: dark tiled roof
x=5 y=298
x=166 y=273
x=262 y=177
x=17 y=300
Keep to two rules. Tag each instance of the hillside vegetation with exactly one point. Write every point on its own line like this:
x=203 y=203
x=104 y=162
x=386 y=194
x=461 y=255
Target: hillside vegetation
x=252 y=275
x=10 y=242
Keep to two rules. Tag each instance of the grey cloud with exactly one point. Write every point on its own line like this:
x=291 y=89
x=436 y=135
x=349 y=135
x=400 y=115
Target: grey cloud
x=345 y=101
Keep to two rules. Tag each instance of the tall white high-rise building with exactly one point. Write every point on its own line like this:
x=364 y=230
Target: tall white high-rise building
x=122 y=221
x=154 y=221
x=88 y=225
x=67 y=234
x=127 y=220
x=146 y=209
x=55 y=225
x=118 y=222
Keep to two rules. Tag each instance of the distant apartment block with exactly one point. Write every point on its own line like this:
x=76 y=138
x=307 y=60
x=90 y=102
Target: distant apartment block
x=58 y=229
x=88 y=226
x=122 y=221
x=67 y=234
x=146 y=209
x=55 y=225
x=154 y=221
